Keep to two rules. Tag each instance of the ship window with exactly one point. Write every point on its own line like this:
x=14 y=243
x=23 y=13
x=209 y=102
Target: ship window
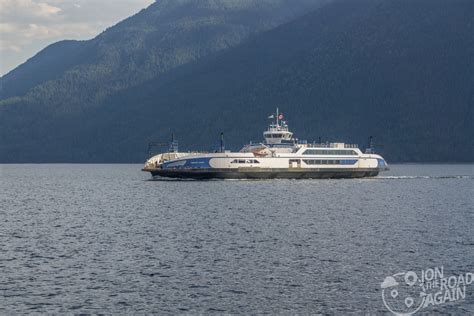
x=247 y=161
x=345 y=152
x=321 y=162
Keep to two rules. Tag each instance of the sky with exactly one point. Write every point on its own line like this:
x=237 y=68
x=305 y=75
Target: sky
x=28 y=26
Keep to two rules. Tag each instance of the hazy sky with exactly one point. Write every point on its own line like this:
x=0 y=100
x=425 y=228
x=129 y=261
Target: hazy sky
x=27 y=26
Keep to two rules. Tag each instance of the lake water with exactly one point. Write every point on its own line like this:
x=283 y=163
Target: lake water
x=103 y=238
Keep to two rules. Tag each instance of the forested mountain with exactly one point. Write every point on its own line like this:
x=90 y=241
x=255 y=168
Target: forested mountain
x=167 y=34
x=401 y=71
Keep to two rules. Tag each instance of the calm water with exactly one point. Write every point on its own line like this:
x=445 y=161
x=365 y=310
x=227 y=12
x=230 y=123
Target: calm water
x=102 y=238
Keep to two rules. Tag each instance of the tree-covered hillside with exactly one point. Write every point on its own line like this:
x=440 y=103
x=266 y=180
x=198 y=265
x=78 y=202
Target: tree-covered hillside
x=401 y=71
x=167 y=34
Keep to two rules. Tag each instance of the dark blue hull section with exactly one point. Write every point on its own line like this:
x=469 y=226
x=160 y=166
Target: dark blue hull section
x=296 y=173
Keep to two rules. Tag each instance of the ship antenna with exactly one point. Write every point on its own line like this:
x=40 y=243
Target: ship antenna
x=173 y=144
x=222 y=142
x=277 y=118
x=370 y=149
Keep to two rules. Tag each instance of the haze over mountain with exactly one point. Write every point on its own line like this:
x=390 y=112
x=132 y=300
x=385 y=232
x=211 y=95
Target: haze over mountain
x=399 y=70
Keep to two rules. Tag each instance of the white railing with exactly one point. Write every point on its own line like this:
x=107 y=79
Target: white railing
x=330 y=145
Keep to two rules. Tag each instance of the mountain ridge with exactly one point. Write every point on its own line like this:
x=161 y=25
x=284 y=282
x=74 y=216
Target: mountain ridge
x=166 y=34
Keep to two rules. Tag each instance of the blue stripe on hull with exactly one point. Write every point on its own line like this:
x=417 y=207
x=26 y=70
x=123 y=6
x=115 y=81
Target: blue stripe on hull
x=190 y=163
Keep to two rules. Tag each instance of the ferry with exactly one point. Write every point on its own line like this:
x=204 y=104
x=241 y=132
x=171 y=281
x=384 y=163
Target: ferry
x=280 y=155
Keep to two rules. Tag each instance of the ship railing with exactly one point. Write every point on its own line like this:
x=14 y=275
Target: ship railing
x=331 y=145
x=319 y=145
x=277 y=128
